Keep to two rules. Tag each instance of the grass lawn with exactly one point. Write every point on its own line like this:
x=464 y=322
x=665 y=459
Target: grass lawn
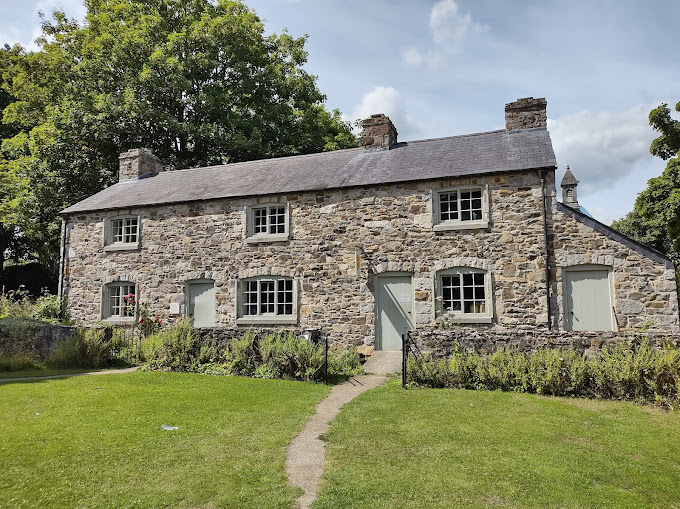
x=455 y=448
x=37 y=373
x=96 y=441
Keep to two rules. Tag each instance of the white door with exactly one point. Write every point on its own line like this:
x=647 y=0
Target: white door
x=588 y=303
x=394 y=310
x=201 y=306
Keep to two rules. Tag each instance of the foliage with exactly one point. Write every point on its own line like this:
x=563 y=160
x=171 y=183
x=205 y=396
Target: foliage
x=655 y=220
x=668 y=144
x=196 y=81
x=274 y=355
x=632 y=370
x=96 y=441
x=19 y=304
x=176 y=349
x=88 y=348
x=47 y=308
x=148 y=322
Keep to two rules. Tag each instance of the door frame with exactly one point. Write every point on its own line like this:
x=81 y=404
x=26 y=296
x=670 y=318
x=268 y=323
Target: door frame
x=591 y=267
x=187 y=296
x=376 y=282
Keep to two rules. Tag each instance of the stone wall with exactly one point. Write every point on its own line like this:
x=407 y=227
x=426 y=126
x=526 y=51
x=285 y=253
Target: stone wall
x=441 y=342
x=390 y=225
x=644 y=290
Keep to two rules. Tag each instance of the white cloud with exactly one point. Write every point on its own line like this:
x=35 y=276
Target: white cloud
x=412 y=57
x=448 y=27
x=602 y=147
x=386 y=100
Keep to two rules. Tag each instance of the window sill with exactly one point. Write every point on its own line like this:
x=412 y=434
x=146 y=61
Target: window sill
x=464 y=225
x=267 y=320
x=119 y=320
x=132 y=246
x=468 y=319
x=275 y=237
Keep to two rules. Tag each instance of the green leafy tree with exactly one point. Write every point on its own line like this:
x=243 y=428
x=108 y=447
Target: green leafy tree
x=196 y=81
x=655 y=220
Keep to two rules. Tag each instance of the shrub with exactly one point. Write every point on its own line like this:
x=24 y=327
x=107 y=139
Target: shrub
x=274 y=355
x=632 y=370
x=88 y=348
x=176 y=349
x=47 y=308
x=15 y=304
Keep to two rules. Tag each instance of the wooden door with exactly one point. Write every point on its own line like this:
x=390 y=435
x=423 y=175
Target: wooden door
x=394 y=310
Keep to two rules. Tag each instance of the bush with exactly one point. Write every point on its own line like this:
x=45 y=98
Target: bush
x=631 y=370
x=47 y=308
x=88 y=348
x=176 y=349
x=274 y=355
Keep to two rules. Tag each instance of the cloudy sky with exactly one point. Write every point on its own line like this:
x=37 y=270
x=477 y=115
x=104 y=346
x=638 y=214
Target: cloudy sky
x=447 y=67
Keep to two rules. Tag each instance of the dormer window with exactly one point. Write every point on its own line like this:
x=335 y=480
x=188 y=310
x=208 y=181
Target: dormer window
x=122 y=233
x=267 y=223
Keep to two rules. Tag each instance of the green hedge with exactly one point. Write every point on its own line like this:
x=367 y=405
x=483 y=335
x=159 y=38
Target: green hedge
x=632 y=370
x=275 y=355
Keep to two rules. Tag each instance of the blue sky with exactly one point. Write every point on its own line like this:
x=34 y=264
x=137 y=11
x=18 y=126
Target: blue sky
x=447 y=67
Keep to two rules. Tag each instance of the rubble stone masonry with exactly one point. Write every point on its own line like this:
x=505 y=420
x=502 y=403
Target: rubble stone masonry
x=391 y=226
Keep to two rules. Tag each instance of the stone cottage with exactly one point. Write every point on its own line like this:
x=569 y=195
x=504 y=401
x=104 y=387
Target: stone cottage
x=365 y=242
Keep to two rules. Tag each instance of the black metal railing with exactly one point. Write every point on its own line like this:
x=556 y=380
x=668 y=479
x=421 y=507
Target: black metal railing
x=126 y=343
x=408 y=347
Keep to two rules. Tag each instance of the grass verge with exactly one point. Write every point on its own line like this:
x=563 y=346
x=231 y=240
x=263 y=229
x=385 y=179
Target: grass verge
x=458 y=448
x=98 y=442
x=38 y=373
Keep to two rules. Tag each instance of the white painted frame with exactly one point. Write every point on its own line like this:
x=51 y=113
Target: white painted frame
x=458 y=224
x=110 y=245
x=266 y=319
x=252 y=238
x=461 y=316
x=105 y=300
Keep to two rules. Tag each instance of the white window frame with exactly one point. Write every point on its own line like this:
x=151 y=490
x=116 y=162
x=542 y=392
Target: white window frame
x=107 y=314
x=111 y=243
x=440 y=224
x=253 y=237
x=460 y=316
x=264 y=317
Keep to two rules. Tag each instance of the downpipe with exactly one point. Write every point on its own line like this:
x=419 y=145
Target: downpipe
x=542 y=174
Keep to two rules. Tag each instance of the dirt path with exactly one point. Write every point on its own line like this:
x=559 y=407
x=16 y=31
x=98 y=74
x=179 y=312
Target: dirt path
x=68 y=375
x=306 y=455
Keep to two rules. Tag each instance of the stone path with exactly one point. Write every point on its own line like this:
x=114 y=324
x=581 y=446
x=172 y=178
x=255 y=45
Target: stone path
x=68 y=375
x=306 y=454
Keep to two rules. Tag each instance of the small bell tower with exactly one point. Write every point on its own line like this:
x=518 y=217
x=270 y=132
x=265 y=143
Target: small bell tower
x=568 y=185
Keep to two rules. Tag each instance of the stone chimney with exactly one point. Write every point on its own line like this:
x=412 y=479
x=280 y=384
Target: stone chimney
x=526 y=113
x=568 y=186
x=379 y=132
x=138 y=162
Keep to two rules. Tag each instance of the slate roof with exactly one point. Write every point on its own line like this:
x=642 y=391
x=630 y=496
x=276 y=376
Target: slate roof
x=456 y=156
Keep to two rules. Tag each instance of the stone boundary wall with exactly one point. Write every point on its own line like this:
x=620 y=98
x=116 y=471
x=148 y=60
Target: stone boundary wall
x=45 y=339
x=222 y=336
x=441 y=342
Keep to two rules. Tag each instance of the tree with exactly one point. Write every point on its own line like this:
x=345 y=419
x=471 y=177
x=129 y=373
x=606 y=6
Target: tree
x=655 y=220
x=668 y=144
x=197 y=82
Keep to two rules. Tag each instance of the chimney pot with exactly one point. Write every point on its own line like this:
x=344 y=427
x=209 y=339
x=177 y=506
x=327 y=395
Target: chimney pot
x=138 y=162
x=526 y=113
